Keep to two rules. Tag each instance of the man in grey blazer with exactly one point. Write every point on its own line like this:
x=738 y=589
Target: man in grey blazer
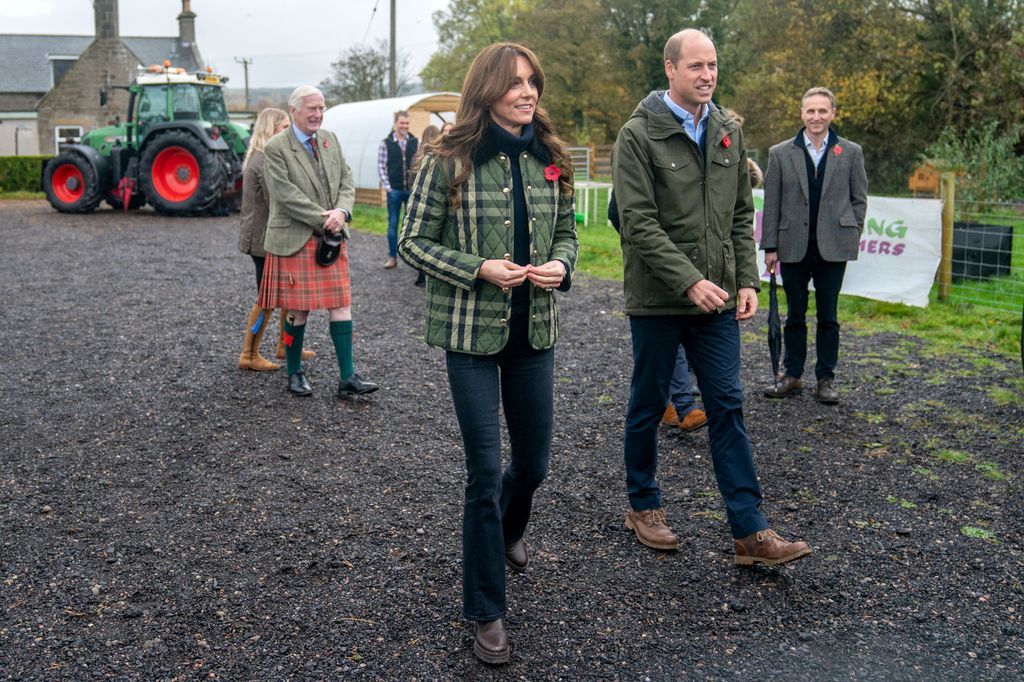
x=815 y=199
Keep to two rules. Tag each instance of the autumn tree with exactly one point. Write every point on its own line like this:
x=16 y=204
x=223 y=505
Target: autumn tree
x=362 y=73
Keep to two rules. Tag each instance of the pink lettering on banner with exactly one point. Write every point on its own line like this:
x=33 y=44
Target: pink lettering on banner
x=882 y=247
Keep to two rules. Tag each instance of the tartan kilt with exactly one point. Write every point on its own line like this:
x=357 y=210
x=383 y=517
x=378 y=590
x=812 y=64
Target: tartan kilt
x=296 y=282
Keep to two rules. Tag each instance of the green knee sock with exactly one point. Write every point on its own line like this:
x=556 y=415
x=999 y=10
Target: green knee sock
x=341 y=335
x=293 y=350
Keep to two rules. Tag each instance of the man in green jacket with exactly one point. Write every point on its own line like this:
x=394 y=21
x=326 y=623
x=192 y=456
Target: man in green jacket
x=686 y=214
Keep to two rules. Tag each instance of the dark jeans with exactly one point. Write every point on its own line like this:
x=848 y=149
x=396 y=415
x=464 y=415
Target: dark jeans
x=498 y=503
x=396 y=200
x=679 y=390
x=828 y=280
x=712 y=344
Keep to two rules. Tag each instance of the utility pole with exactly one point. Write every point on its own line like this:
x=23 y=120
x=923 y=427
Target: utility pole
x=392 y=77
x=245 y=62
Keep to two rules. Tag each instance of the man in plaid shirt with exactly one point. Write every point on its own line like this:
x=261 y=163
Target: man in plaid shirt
x=394 y=165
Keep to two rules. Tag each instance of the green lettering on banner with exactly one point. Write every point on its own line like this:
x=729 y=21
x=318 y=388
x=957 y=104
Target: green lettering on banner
x=896 y=230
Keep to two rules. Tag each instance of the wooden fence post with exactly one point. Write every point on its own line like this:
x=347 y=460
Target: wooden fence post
x=948 y=192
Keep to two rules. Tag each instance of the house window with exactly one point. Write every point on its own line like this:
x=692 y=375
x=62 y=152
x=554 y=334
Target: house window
x=67 y=135
x=59 y=65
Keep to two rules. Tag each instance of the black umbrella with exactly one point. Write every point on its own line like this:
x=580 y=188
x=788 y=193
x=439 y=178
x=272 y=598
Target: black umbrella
x=774 y=329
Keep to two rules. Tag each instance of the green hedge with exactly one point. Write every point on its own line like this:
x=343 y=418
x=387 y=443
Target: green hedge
x=21 y=173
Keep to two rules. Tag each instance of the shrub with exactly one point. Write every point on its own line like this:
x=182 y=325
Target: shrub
x=21 y=173
x=985 y=156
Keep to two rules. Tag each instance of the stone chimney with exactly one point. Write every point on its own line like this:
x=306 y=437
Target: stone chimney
x=187 y=24
x=106 y=19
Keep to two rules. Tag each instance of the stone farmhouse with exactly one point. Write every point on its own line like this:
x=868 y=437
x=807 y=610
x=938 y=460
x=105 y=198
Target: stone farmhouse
x=51 y=85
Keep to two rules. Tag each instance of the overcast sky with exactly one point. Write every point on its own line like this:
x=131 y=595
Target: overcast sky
x=288 y=44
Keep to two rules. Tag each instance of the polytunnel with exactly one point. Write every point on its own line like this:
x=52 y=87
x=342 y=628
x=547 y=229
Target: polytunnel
x=360 y=127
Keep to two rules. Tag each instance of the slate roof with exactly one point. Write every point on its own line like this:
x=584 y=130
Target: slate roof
x=27 y=66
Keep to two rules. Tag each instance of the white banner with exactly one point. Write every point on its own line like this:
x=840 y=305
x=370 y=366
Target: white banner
x=899 y=250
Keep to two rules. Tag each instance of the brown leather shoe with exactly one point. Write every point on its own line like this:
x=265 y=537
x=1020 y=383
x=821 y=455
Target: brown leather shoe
x=693 y=420
x=390 y=264
x=670 y=418
x=826 y=393
x=769 y=548
x=652 y=529
x=490 y=643
x=787 y=387
x=517 y=556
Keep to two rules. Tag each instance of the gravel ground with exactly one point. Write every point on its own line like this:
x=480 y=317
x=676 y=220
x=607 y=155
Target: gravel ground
x=165 y=515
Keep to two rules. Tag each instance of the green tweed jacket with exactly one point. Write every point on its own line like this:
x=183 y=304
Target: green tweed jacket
x=449 y=245
x=296 y=193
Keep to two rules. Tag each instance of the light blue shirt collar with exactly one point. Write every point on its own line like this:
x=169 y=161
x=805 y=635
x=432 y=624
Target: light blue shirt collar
x=815 y=153
x=303 y=138
x=694 y=129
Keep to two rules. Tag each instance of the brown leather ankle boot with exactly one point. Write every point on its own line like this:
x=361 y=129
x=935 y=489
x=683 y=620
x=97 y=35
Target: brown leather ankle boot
x=250 y=357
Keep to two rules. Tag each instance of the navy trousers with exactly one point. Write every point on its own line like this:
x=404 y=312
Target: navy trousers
x=498 y=502
x=828 y=280
x=712 y=344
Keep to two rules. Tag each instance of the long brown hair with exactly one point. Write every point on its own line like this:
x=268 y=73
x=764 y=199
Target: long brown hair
x=489 y=77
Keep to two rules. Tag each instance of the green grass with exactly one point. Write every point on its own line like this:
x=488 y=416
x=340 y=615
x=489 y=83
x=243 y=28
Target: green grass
x=945 y=329
x=979 y=534
x=953 y=456
x=991 y=471
x=21 y=196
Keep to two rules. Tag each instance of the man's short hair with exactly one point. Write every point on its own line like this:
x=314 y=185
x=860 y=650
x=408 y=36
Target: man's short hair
x=819 y=91
x=400 y=113
x=674 y=45
x=301 y=92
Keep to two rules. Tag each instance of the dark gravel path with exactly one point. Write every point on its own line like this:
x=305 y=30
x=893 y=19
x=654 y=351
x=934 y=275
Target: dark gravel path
x=164 y=515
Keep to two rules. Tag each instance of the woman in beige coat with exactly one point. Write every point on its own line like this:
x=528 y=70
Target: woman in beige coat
x=255 y=209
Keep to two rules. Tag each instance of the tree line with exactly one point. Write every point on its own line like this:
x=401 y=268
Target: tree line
x=912 y=77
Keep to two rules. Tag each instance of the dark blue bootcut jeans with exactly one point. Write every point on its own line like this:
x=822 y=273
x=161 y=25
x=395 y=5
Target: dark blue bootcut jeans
x=396 y=201
x=498 y=502
x=712 y=344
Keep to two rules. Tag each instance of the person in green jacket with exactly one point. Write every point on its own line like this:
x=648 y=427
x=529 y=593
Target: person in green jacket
x=690 y=276
x=491 y=224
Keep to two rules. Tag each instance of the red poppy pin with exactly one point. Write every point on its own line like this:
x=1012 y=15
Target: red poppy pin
x=552 y=173
x=325 y=145
x=837 y=150
x=726 y=142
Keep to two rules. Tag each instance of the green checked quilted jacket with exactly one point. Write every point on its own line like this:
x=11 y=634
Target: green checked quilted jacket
x=449 y=245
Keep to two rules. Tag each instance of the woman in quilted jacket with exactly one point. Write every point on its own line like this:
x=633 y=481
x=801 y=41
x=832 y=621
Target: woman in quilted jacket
x=491 y=223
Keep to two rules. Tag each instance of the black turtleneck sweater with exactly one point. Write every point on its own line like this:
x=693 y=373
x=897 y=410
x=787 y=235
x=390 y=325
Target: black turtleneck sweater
x=513 y=146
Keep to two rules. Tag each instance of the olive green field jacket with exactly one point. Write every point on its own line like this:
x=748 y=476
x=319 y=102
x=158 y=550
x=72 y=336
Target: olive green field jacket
x=685 y=216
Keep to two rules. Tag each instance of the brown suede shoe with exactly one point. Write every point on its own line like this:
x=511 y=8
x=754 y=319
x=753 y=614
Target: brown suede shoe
x=787 y=387
x=769 y=548
x=826 y=393
x=306 y=354
x=652 y=529
x=517 y=556
x=490 y=643
x=693 y=420
x=670 y=418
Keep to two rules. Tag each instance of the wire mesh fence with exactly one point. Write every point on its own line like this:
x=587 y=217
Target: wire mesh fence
x=988 y=254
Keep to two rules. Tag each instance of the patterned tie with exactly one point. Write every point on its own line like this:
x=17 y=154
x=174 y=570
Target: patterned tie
x=312 y=146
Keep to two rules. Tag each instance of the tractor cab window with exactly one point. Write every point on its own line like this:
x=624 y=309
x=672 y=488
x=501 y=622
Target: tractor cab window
x=152 y=105
x=185 y=102
x=213 y=104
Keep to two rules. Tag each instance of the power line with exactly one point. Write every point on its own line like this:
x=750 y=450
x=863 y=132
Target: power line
x=369 y=25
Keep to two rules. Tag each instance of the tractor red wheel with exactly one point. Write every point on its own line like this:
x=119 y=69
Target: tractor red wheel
x=67 y=183
x=179 y=174
x=71 y=184
x=175 y=174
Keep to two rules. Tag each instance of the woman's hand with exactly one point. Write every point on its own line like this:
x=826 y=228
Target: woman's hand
x=547 y=276
x=503 y=273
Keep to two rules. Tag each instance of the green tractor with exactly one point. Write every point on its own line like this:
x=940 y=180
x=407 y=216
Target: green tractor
x=178 y=151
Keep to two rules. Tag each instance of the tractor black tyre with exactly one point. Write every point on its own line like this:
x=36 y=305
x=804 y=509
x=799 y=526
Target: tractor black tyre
x=179 y=175
x=70 y=184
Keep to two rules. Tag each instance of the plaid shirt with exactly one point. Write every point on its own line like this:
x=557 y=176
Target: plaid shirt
x=449 y=245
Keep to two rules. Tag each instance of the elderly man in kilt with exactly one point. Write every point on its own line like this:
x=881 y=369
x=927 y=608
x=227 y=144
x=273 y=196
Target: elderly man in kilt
x=311 y=194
